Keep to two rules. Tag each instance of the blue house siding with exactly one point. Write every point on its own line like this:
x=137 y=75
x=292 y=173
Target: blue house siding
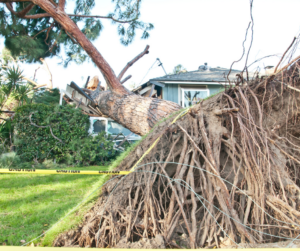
x=170 y=91
x=214 y=88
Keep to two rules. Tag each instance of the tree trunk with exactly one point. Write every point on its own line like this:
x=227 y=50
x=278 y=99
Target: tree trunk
x=134 y=112
x=138 y=114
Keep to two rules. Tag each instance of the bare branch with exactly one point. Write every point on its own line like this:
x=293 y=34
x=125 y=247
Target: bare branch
x=284 y=54
x=106 y=17
x=7 y=111
x=39 y=86
x=146 y=51
x=31 y=81
x=43 y=127
x=125 y=79
x=111 y=17
x=50 y=84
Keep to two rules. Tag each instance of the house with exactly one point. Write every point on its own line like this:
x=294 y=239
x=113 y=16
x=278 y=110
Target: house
x=187 y=88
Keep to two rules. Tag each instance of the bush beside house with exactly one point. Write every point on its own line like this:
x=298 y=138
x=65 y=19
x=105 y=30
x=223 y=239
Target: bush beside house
x=69 y=141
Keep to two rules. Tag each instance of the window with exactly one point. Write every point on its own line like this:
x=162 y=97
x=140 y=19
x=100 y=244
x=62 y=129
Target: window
x=115 y=128
x=191 y=96
x=109 y=126
x=99 y=126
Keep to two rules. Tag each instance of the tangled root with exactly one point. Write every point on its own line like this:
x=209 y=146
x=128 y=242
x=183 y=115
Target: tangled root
x=225 y=173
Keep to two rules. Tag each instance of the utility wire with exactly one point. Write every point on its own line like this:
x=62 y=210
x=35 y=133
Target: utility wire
x=148 y=72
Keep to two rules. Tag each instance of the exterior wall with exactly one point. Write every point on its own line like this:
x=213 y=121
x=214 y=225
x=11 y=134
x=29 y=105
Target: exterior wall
x=171 y=91
x=213 y=89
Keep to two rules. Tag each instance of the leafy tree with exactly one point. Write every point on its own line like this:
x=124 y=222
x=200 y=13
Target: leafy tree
x=30 y=33
x=47 y=97
x=48 y=18
x=177 y=69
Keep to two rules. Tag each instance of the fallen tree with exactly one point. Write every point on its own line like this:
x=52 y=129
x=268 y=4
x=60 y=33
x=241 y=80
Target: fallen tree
x=226 y=172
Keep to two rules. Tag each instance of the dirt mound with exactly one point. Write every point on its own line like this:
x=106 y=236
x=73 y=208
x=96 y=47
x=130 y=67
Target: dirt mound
x=225 y=173
x=156 y=243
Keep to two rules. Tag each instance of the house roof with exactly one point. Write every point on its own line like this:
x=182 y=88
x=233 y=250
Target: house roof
x=212 y=75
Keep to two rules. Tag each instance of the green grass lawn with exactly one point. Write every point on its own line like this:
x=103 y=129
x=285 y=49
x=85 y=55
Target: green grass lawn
x=30 y=204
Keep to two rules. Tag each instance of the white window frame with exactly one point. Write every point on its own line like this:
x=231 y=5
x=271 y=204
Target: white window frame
x=192 y=89
x=91 y=131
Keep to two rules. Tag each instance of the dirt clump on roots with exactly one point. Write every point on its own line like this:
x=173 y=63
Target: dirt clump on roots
x=225 y=173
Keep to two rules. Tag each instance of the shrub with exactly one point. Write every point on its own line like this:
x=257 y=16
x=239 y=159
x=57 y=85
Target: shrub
x=34 y=140
x=92 y=150
x=71 y=143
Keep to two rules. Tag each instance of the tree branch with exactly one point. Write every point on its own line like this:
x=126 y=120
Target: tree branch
x=111 y=17
x=22 y=13
x=125 y=79
x=44 y=127
x=14 y=1
x=62 y=4
x=106 y=17
x=146 y=51
x=25 y=10
x=69 y=26
x=50 y=84
x=7 y=111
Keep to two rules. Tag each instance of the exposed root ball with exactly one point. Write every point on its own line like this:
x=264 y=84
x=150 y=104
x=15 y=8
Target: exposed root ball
x=233 y=177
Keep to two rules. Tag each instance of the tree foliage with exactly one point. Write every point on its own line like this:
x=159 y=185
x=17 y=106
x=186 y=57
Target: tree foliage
x=47 y=97
x=45 y=131
x=33 y=38
x=177 y=69
x=61 y=133
x=14 y=91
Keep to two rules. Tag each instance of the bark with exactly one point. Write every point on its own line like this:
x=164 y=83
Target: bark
x=138 y=114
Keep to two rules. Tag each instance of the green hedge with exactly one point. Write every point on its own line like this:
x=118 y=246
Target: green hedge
x=36 y=143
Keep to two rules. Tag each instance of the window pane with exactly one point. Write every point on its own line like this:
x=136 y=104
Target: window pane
x=99 y=126
x=192 y=97
x=115 y=128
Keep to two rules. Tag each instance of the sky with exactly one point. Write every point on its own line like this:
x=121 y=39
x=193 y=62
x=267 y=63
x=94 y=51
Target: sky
x=190 y=33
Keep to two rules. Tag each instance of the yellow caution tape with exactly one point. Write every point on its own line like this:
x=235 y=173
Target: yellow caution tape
x=155 y=142
x=62 y=171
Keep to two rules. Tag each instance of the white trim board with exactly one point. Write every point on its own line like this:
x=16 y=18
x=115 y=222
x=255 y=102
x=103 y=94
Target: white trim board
x=195 y=83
